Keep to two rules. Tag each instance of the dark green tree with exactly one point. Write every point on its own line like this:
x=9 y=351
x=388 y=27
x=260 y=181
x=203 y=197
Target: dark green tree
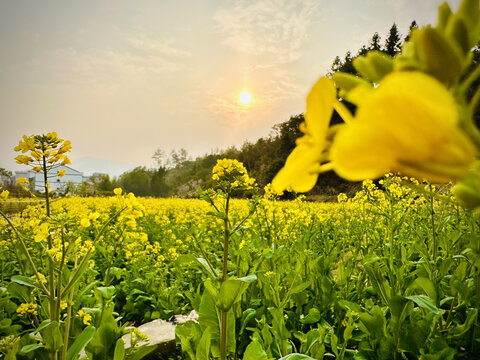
x=136 y=181
x=413 y=26
x=102 y=183
x=393 y=42
x=375 y=42
x=158 y=184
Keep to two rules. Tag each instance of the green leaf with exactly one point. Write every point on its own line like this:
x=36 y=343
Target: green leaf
x=426 y=285
x=52 y=336
x=203 y=348
x=424 y=302
x=334 y=344
x=397 y=305
x=23 y=280
x=374 y=322
x=254 y=351
x=246 y=317
x=141 y=352
x=186 y=333
x=312 y=317
x=19 y=291
x=206 y=267
x=29 y=348
x=107 y=292
x=80 y=342
x=296 y=357
x=441 y=56
x=348 y=305
x=212 y=290
x=42 y=326
x=87 y=289
x=119 y=353
x=278 y=322
x=106 y=336
x=300 y=287
x=460 y=330
x=208 y=317
x=231 y=291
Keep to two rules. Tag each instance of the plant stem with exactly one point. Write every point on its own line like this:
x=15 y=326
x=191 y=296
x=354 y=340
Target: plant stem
x=27 y=254
x=223 y=314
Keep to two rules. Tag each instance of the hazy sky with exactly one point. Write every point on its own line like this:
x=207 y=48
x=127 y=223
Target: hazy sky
x=122 y=78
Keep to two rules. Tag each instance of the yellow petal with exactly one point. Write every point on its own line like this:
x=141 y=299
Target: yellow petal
x=301 y=169
x=320 y=108
x=358 y=153
x=408 y=124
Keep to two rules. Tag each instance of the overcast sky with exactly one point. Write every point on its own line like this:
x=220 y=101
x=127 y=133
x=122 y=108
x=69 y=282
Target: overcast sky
x=123 y=78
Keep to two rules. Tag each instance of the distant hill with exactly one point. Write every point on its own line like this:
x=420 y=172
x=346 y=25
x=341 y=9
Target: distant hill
x=90 y=165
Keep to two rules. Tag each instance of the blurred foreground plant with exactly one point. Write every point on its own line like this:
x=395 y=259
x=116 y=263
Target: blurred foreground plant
x=413 y=116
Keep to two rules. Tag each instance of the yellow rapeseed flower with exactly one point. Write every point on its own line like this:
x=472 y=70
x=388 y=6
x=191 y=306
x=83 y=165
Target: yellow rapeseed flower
x=409 y=124
x=117 y=191
x=4 y=195
x=86 y=318
x=84 y=223
x=25 y=308
x=23 y=181
x=301 y=169
x=94 y=216
x=41 y=232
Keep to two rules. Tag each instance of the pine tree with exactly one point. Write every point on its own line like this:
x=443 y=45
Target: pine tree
x=412 y=27
x=375 y=43
x=393 y=42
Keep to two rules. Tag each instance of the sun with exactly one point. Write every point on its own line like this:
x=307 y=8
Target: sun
x=245 y=98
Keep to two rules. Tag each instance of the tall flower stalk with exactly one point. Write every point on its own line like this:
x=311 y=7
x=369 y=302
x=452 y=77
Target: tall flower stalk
x=61 y=245
x=230 y=176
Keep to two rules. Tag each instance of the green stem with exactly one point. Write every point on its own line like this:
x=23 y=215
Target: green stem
x=467 y=83
x=223 y=314
x=204 y=254
x=27 y=254
x=223 y=335
x=51 y=275
x=432 y=220
x=68 y=321
x=226 y=238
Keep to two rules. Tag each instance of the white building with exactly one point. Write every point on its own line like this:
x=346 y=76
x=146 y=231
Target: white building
x=56 y=182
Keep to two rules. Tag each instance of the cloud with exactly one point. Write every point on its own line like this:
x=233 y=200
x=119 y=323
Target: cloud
x=148 y=44
x=273 y=28
x=139 y=58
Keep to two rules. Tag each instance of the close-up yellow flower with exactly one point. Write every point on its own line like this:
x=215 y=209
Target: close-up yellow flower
x=301 y=169
x=409 y=124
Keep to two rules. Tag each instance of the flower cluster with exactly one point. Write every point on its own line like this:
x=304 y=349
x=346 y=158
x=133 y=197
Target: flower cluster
x=4 y=194
x=27 y=308
x=233 y=174
x=45 y=152
x=412 y=117
x=86 y=317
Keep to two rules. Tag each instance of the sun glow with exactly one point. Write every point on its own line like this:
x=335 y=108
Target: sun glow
x=245 y=98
